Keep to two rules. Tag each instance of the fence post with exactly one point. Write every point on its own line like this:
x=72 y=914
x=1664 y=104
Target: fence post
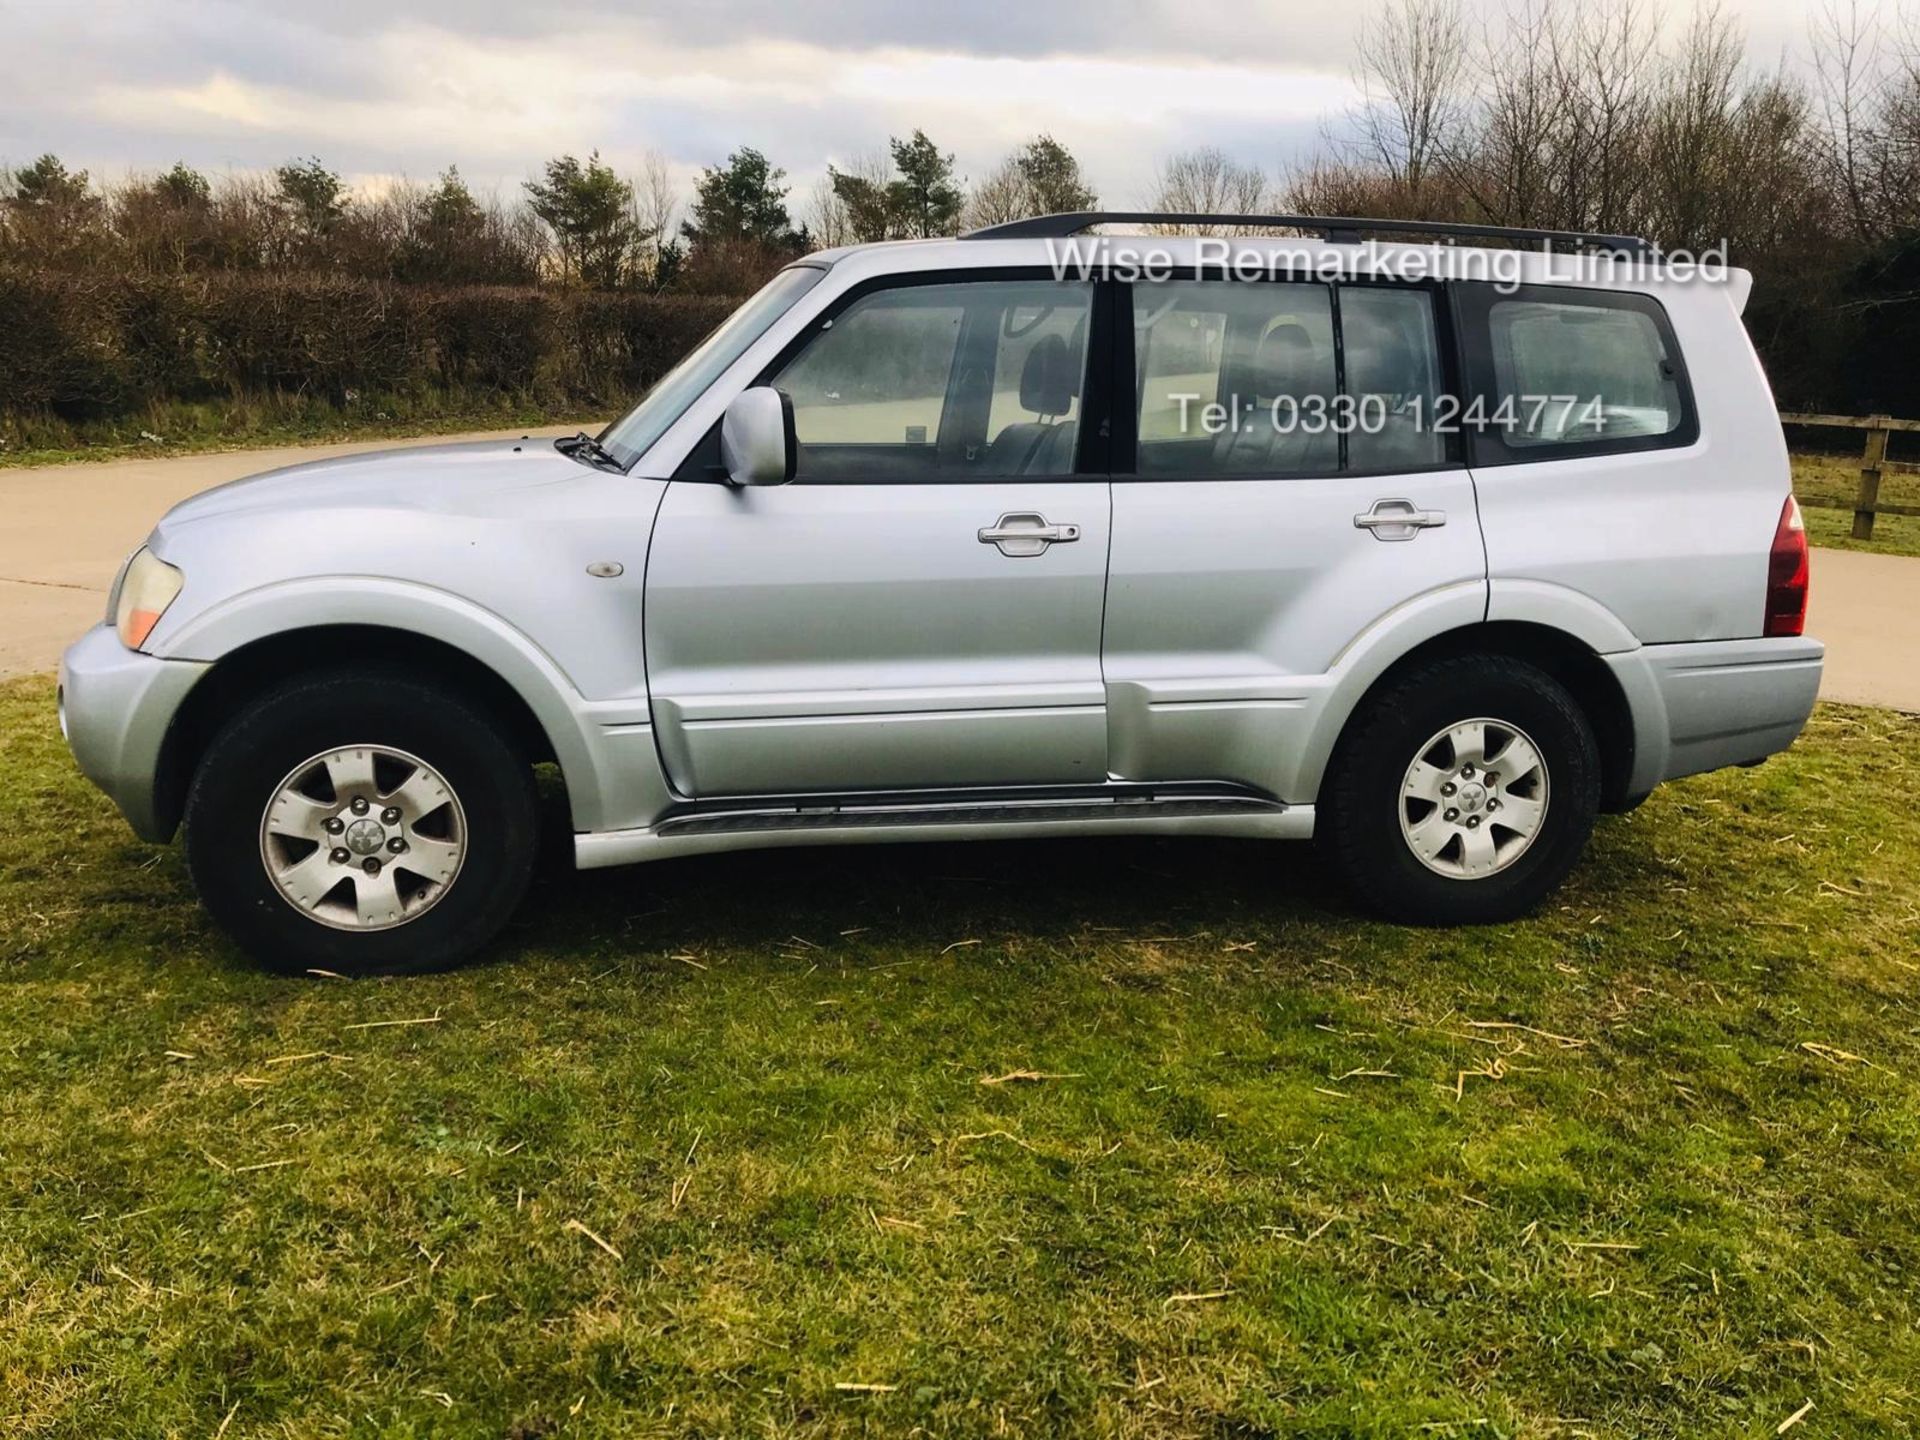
x=1870 y=462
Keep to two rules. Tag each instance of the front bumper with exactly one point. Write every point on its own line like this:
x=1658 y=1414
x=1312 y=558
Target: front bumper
x=116 y=706
x=1706 y=705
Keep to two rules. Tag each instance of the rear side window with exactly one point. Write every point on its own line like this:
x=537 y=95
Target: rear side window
x=1562 y=372
x=1393 y=371
x=1235 y=378
x=1280 y=379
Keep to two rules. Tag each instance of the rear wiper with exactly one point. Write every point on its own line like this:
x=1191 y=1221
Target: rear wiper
x=589 y=451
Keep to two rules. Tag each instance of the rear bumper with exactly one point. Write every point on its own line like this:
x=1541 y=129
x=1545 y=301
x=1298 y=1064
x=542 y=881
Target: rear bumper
x=1715 y=703
x=115 y=708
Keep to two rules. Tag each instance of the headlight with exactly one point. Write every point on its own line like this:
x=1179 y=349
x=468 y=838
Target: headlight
x=146 y=590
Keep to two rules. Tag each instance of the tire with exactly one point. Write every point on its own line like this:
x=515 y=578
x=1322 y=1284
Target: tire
x=1413 y=858
x=413 y=861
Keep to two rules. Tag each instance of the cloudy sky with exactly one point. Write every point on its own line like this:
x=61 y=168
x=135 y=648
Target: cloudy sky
x=389 y=87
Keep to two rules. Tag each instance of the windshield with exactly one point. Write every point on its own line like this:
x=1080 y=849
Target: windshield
x=628 y=438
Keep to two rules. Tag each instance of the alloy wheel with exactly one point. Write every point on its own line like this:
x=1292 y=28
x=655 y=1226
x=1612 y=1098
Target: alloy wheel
x=1474 y=799
x=363 y=837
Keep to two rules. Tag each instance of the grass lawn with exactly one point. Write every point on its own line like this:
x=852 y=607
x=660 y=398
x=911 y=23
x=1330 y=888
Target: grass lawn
x=1838 y=478
x=1112 y=1138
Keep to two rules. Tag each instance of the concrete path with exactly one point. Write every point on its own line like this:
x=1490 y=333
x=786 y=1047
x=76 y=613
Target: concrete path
x=1867 y=609
x=64 y=529
x=67 y=527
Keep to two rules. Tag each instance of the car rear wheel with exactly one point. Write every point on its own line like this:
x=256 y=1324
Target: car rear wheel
x=1463 y=792
x=361 y=824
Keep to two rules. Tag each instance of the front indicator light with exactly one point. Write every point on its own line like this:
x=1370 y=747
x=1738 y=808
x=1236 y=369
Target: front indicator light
x=149 y=587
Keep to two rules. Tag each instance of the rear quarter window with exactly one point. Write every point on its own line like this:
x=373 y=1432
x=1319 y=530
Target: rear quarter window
x=1559 y=372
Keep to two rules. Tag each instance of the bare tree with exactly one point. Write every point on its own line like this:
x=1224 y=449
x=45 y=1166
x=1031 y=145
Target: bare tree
x=1207 y=182
x=999 y=196
x=1897 y=153
x=825 y=215
x=1413 y=63
x=1505 y=166
x=1869 y=87
x=1601 y=72
x=1329 y=186
x=1845 y=64
x=656 y=202
x=1694 y=123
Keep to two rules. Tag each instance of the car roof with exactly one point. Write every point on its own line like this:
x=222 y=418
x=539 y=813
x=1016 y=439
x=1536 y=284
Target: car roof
x=1270 y=256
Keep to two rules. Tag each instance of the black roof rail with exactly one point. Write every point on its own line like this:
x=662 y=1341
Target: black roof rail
x=1340 y=229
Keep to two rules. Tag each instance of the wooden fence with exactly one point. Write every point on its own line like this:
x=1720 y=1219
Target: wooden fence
x=1873 y=464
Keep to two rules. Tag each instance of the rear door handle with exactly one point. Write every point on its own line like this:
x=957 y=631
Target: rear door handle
x=1021 y=533
x=1398 y=519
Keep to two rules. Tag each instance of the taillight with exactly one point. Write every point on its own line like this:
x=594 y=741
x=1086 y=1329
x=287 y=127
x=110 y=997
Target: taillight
x=1787 y=574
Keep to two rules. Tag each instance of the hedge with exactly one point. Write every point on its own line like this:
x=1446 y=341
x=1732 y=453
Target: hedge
x=89 y=346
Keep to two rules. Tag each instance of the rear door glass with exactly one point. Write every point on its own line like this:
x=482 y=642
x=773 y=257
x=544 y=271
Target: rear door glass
x=1286 y=378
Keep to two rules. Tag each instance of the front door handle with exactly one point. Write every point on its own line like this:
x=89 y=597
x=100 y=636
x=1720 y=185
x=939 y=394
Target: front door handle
x=1023 y=533
x=1398 y=519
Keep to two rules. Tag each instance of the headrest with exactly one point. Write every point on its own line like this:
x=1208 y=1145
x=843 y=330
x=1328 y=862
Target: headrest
x=1049 y=380
x=1287 y=364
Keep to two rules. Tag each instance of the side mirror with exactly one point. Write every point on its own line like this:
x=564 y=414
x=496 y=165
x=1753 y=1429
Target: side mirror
x=757 y=443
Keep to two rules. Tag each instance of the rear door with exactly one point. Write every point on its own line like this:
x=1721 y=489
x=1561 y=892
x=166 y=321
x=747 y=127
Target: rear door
x=1288 y=486
x=920 y=607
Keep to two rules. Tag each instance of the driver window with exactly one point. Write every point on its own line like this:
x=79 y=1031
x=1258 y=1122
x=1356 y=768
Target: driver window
x=943 y=383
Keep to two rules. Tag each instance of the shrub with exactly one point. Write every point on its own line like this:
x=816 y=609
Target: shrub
x=489 y=338
x=61 y=345
x=84 y=345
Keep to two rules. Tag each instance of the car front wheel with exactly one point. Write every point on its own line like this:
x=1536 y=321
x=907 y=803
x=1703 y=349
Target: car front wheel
x=361 y=824
x=1463 y=792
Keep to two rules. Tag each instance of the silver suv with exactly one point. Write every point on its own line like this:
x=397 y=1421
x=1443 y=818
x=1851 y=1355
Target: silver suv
x=1429 y=550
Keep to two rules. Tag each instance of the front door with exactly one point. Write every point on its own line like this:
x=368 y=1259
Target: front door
x=1290 y=485
x=920 y=607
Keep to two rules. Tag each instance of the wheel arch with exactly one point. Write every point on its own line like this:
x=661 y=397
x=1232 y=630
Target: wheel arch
x=1567 y=658
x=252 y=669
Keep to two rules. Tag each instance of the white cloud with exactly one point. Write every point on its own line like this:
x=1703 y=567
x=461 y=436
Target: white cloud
x=498 y=107
x=381 y=87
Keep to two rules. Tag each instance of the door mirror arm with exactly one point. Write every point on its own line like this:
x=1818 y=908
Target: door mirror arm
x=758 y=445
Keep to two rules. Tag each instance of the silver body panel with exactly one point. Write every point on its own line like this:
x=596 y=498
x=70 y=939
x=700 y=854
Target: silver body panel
x=683 y=640
x=1716 y=703
x=115 y=706
x=1671 y=544
x=1235 y=606
x=861 y=637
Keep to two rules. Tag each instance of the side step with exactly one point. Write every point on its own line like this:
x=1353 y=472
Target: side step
x=874 y=820
x=1017 y=812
